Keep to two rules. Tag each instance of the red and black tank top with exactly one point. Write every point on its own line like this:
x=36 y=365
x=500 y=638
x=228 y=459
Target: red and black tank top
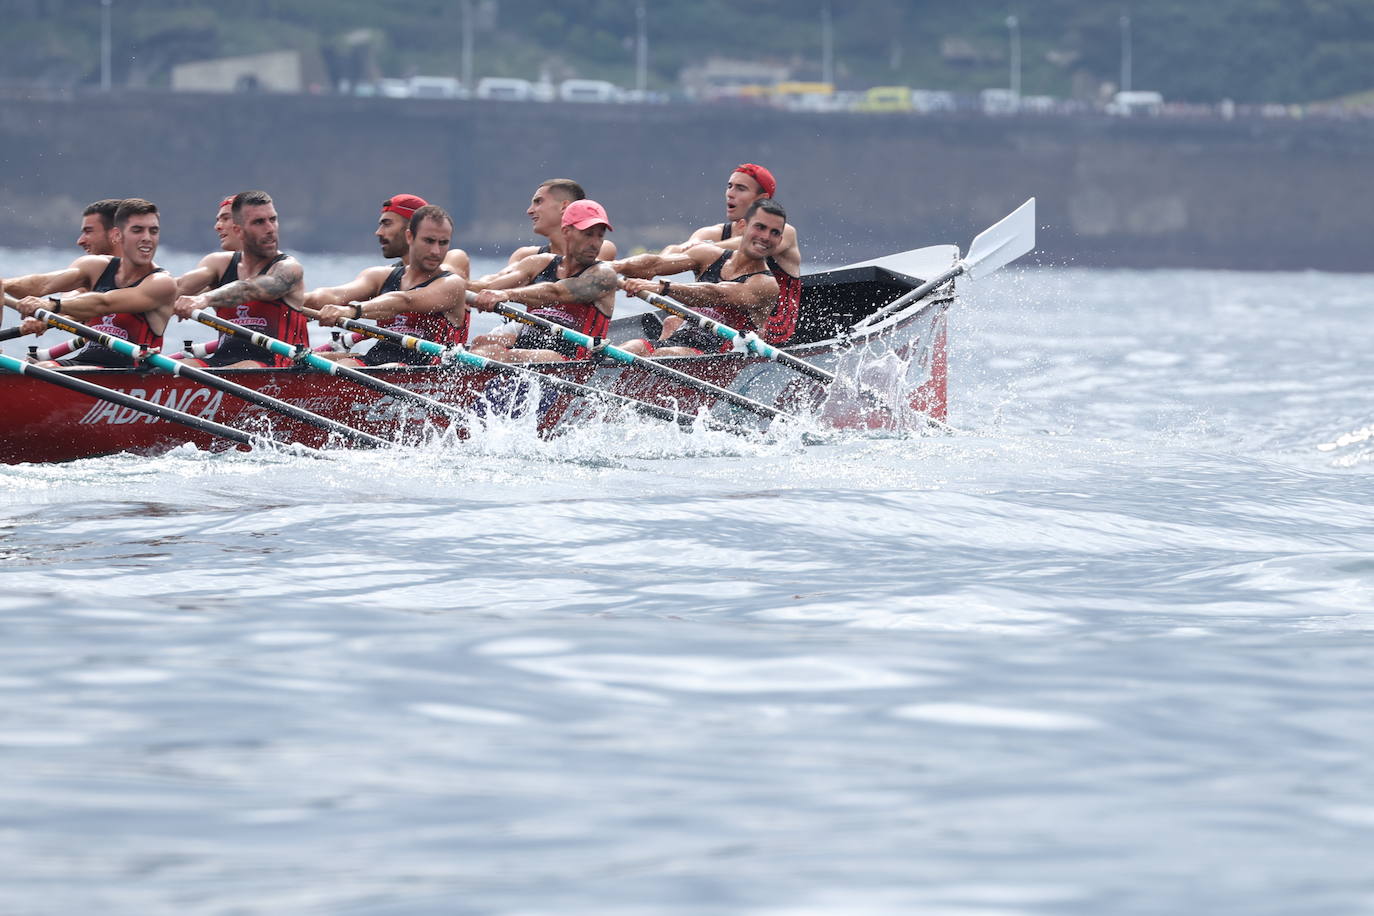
x=273 y=317
x=730 y=315
x=428 y=325
x=580 y=316
x=130 y=326
x=782 y=321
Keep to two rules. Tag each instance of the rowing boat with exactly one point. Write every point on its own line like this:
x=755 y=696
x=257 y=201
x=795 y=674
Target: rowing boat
x=900 y=357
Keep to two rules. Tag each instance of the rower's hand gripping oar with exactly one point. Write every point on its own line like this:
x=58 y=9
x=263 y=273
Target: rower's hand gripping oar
x=993 y=248
x=177 y=367
x=315 y=361
x=457 y=354
x=71 y=383
x=648 y=365
x=750 y=341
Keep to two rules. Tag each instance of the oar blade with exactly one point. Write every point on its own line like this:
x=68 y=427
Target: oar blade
x=1003 y=242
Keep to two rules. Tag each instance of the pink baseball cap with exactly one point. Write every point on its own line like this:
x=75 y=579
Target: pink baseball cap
x=583 y=214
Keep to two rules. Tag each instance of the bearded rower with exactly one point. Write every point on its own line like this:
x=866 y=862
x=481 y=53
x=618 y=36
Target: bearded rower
x=733 y=287
x=418 y=297
x=130 y=296
x=575 y=289
x=262 y=284
x=747 y=183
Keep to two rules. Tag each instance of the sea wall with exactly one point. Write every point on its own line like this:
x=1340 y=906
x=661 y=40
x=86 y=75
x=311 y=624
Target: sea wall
x=1113 y=192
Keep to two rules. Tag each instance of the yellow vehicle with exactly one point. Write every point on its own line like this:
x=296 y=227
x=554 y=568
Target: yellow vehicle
x=887 y=98
x=799 y=96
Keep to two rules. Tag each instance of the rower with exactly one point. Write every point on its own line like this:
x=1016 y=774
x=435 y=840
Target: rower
x=575 y=289
x=733 y=287
x=418 y=297
x=130 y=296
x=97 y=221
x=209 y=273
x=263 y=285
x=545 y=211
x=747 y=183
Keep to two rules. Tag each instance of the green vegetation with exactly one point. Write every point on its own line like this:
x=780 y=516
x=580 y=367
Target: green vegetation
x=1246 y=50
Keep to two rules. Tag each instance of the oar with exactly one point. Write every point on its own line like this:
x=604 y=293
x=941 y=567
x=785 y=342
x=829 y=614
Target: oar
x=993 y=248
x=11 y=333
x=752 y=341
x=314 y=360
x=466 y=357
x=64 y=380
x=648 y=365
x=206 y=378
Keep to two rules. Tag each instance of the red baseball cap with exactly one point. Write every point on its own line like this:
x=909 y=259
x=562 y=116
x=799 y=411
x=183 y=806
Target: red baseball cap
x=227 y=202
x=765 y=178
x=583 y=214
x=404 y=205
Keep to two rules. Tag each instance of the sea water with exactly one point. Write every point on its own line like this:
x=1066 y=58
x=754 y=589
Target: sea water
x=1103 y=647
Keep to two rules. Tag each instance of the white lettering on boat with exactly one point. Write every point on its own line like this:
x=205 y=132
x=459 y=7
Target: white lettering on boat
x=203 y=402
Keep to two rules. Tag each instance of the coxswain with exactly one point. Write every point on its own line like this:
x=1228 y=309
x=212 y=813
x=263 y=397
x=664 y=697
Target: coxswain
x=747 y=183
x=130 y=296
x=734 y=287
x=574 y=288
x=263 y=286
x=418 y=297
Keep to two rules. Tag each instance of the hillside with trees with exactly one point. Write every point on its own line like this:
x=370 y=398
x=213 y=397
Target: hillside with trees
x=1247 y=50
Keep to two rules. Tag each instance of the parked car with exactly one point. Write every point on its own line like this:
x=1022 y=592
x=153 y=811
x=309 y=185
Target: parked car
x=887 y=98
x=437 y=87
x=589 y=91
x=1126 y=104
x=505 y=88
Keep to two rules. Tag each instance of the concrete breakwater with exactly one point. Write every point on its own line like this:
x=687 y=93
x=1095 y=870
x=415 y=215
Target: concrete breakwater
x=1111 y=191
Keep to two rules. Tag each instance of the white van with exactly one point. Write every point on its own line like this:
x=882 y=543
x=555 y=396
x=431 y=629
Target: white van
x=436 y=87
x=504 y=89
x=588 y=91
x=1126 y=104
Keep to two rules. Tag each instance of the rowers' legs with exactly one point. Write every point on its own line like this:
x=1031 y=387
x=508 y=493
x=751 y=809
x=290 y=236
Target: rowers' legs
x=528 y=356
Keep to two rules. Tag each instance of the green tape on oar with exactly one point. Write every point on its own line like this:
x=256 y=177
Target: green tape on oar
x=751 y=341
x=468 y=358
x=648 y=365
x=179 y=368
x=315 y=361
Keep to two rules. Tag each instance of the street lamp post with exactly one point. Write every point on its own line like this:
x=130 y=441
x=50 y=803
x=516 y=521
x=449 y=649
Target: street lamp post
x=827 y=45
x=1125 y=52
x=467 y=46
x=1014 y=27
x=104 y=45
x=641 y=49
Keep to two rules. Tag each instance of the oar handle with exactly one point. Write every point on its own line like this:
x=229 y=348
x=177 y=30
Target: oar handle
x=647 y=365
x=11 y=333
x=459 y=354
x=314 y=360
x=751 y=341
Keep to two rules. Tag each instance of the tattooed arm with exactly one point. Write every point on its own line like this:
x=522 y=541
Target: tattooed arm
x=597 y=285
x=281 y=281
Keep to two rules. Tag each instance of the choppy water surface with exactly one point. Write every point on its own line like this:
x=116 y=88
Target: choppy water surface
x=1105 y=649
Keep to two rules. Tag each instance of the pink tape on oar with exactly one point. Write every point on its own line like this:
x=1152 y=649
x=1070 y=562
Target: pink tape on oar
x=199 y=351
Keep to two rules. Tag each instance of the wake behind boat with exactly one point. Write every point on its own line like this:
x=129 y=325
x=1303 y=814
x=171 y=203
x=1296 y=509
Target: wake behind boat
x=878 y=327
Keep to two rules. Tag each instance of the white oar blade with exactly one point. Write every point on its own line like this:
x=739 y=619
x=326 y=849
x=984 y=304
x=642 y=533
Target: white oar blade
x=1004 y=242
